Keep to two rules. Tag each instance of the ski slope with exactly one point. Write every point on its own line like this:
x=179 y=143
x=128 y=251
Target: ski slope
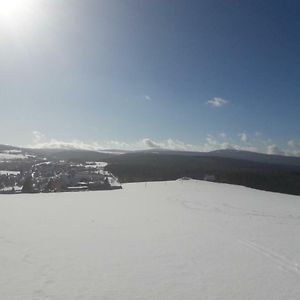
x=165 y=240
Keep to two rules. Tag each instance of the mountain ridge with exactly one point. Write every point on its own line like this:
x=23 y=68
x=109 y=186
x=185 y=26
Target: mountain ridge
x=61 y=153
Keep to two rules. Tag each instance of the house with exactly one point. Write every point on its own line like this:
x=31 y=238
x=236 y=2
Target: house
x=209 y=177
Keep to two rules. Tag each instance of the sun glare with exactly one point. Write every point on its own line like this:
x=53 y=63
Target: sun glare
x=15 y=12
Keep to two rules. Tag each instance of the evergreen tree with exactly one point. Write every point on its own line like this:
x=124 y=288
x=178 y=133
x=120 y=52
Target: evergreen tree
x=28 y=185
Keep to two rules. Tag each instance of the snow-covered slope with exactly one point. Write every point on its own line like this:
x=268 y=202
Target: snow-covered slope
x=165 y=240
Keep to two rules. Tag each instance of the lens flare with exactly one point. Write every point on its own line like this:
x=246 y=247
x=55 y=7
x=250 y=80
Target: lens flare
x=15 y=13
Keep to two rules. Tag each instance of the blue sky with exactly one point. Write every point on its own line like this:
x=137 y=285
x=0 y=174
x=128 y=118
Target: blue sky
x=195 y=75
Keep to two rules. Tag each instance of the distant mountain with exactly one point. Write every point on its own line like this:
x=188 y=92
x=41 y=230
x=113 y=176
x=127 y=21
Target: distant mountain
x=165 y=165
x=79 y=154
x=267 y=172
x=62 y=154
x=74 y=154
x=234 y=154
x=257 y=157
x=8 y=147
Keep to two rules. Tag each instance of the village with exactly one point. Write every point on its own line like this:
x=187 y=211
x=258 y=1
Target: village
x=48 y=176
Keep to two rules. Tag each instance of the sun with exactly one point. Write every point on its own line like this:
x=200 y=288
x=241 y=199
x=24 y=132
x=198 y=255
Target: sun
x=15 y=12
x=11 y=9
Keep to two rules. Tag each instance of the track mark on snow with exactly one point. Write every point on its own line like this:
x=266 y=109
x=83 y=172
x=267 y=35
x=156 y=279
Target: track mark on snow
x=45 y=284
x=280 y=260
x=230 y=210
x=5 y=240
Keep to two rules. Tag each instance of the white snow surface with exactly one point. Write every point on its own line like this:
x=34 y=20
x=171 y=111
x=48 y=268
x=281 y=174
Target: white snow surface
x=9 y=189
x=96 y=164
x=11 y=156
x=165 y=240
x=4 y=172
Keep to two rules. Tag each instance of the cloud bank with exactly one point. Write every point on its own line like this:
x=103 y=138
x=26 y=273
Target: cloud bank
x=247 y=142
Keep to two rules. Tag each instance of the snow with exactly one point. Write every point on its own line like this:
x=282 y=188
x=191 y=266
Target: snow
x=175 y=240
x=44 y=163
x=13 y=151
x=10 y=156
x=16 y=188
x=4 y=172
x=96 y=165
x=113 y=181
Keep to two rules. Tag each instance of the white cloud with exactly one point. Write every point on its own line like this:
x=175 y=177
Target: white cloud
x=77 y=144
x=274 y=150
x=250 y=148
x=217 y=102
x=293 y=148
x=147 y=97
x=150 y=143
x=243 y=137
x=145 y=143
x=213 y=143
x=258 y=134
x=180 y=146
x=170 y=144
x=294 y=144
x=245 y=142
x=37 y=136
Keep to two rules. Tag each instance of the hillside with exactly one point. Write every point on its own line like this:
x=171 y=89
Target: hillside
x=148 y=166
x=261 y=171
x=165 y=240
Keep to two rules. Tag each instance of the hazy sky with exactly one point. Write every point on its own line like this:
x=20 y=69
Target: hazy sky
x=133 y=74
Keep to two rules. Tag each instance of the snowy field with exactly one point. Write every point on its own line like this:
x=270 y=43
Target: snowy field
x=15 y=173
x=167 y=240
x=11 y=156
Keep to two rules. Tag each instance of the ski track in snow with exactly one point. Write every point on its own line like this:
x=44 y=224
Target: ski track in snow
x=4 y=240
x=235 y=211
x=283 y=262
x=44 y=284
x=278 y=259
